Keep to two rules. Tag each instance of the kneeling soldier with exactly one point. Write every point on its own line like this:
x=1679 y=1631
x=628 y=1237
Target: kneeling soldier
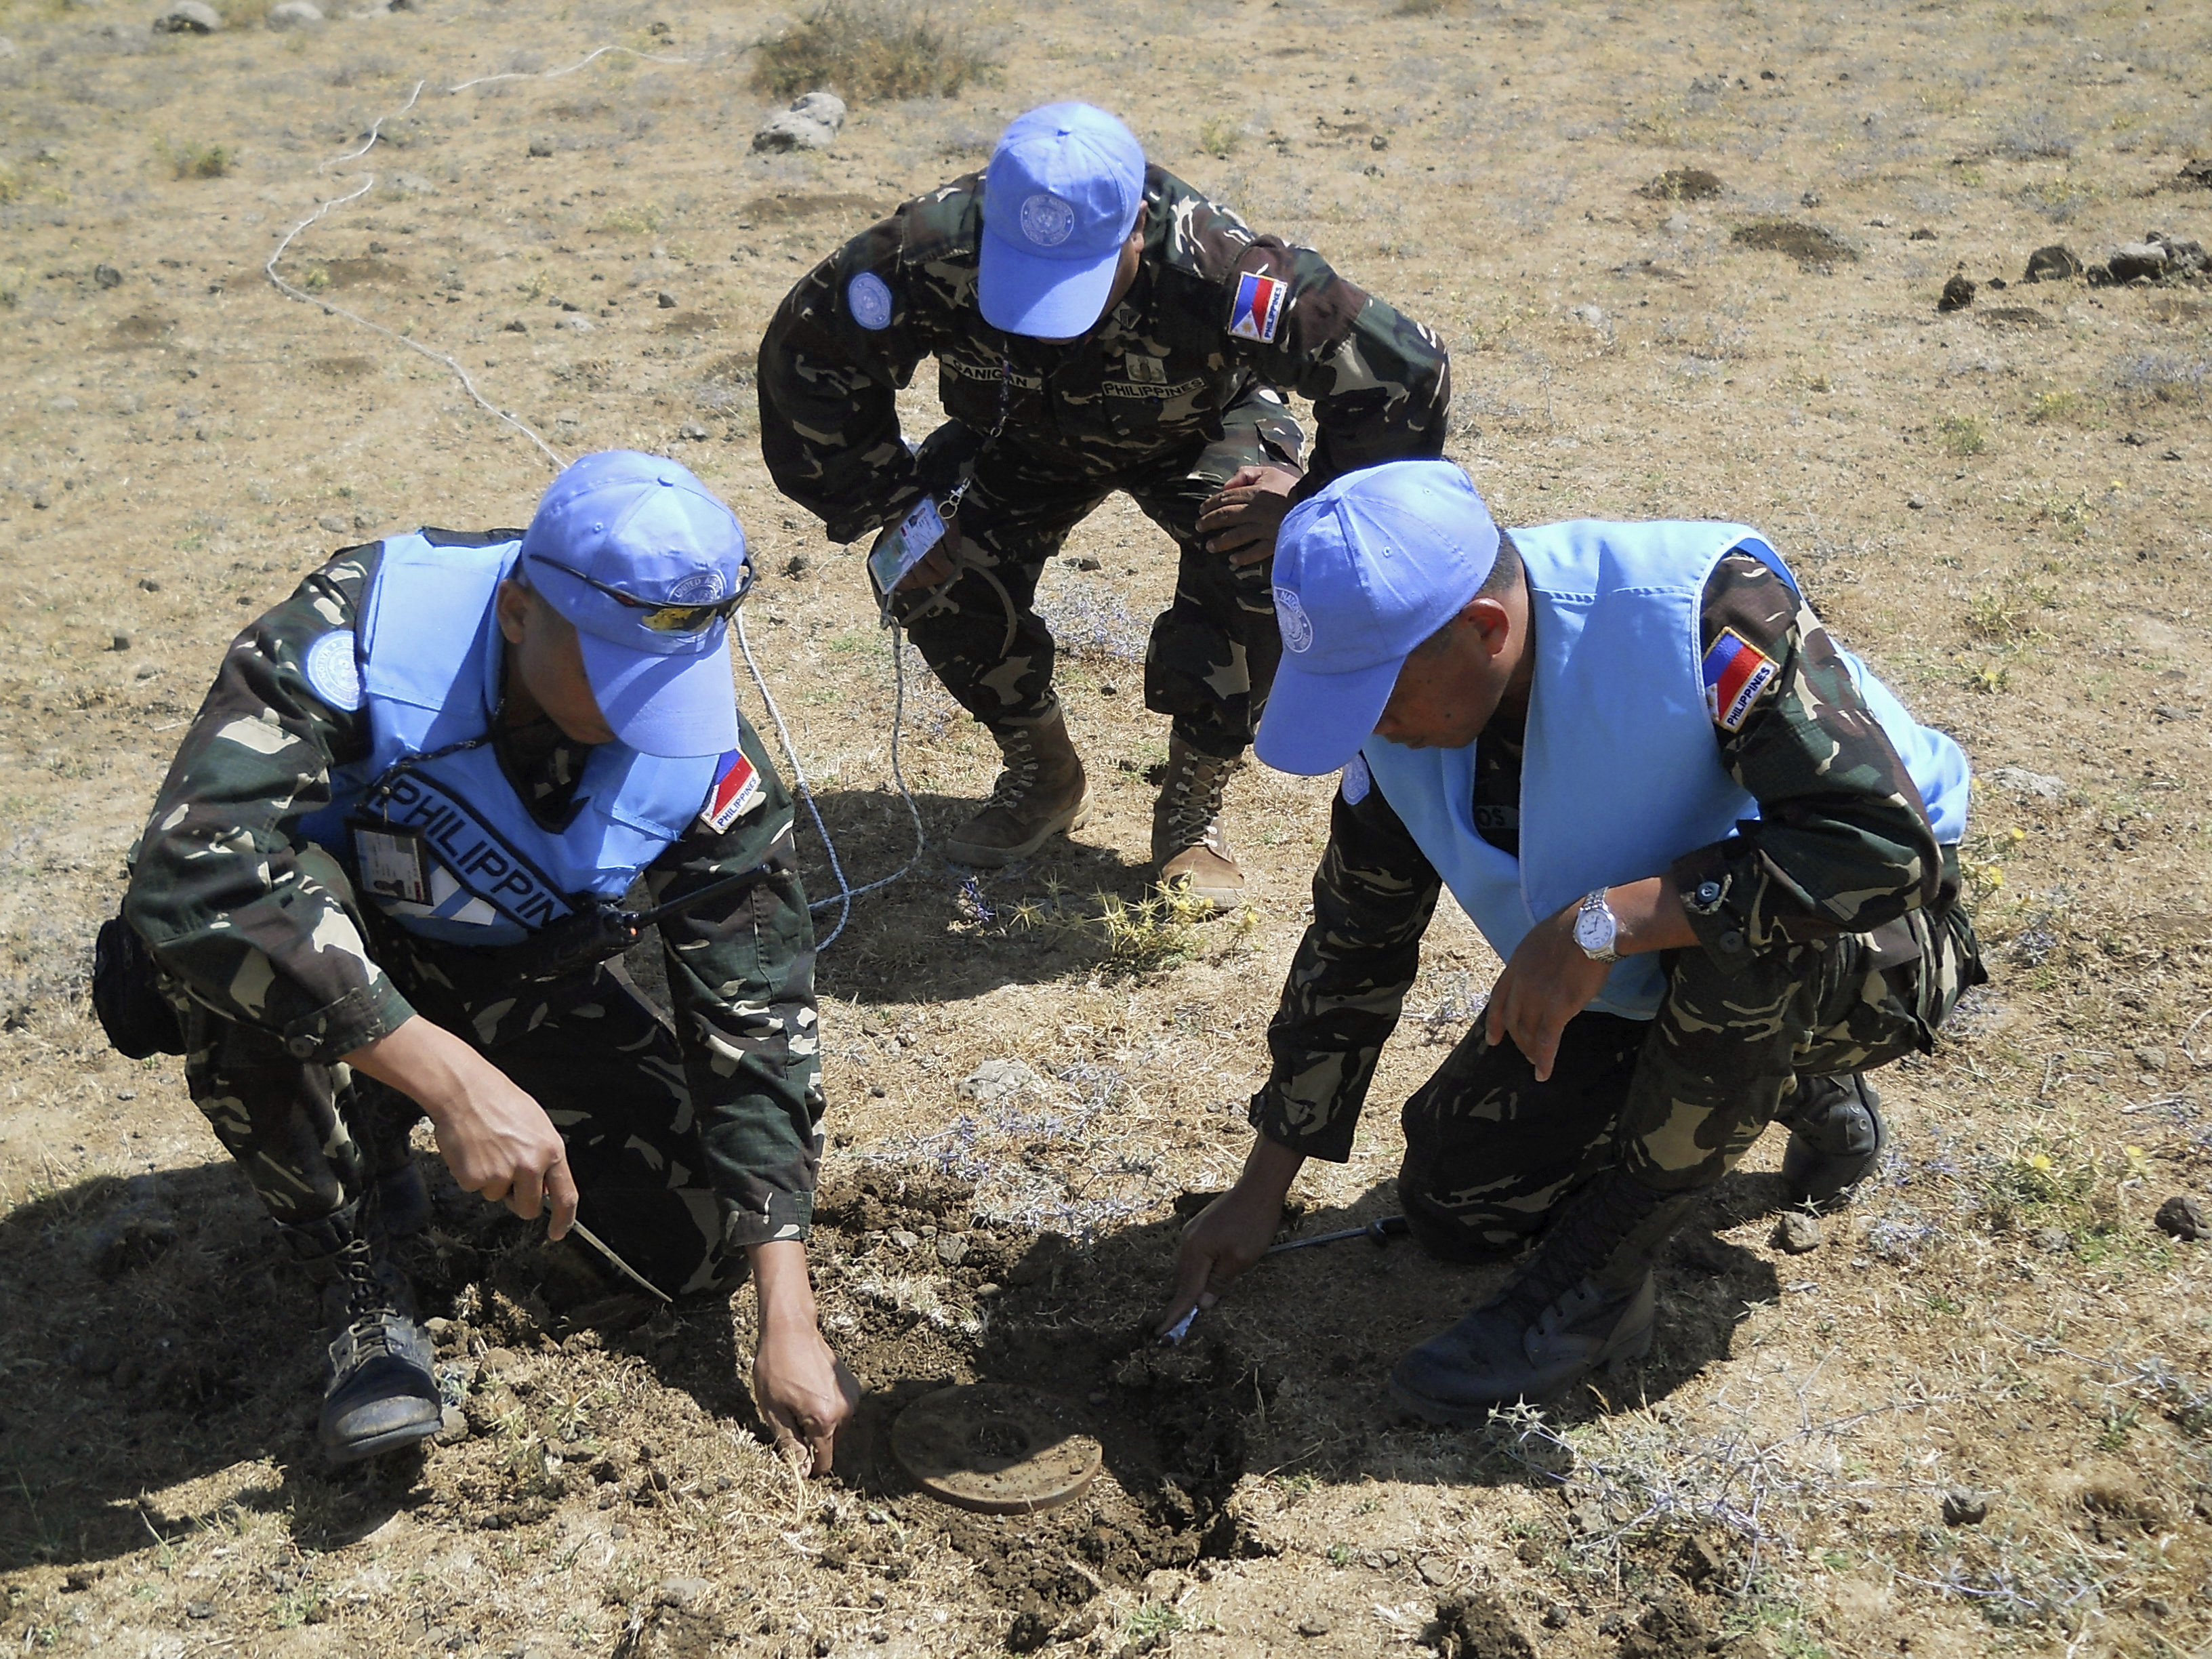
x=381 y=881
x=1717 y=857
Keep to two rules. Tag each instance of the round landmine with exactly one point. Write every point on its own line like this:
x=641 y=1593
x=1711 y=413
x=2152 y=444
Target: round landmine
x=993 y=1447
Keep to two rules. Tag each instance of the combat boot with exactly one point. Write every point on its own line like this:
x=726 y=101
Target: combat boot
x=1042 y=793
x=1837 y=1138
x=1584 y=1298
x=1188 y=844
x=382 y=1394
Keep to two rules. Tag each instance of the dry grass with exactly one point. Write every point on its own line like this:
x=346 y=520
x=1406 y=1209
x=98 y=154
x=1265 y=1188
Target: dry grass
x=871 y=50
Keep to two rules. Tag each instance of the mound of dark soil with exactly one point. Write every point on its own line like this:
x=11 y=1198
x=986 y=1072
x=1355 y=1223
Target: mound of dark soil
x=1808 y=245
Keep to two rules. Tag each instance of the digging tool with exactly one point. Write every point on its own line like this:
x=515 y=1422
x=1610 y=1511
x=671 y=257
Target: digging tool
x=594 y=1241
x=1378 y=1232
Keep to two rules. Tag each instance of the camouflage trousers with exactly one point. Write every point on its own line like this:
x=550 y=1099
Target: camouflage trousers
x=1674 y=1100
x=1213 y=651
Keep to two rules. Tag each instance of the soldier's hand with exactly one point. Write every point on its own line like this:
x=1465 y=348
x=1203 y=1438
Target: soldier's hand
x=805 y=1393
x=1231 y=1233
x=1547 y=983
x=934 y=566
x=495 y=1138
x=1242 y=517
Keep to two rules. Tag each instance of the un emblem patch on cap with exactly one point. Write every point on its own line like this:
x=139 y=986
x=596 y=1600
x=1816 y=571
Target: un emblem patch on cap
x=1047 y=221
x=1291 y=617
x=700 y=588
x=868 y=297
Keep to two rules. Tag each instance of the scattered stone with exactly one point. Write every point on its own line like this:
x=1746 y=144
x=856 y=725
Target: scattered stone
x=797 y=566
x=1698 y=1561
x=1797 y=1233
x=1479 y=1626
x=106 y=277
x=2183 y=1216
x=694 y=431
x=188 y=17
x=811 y=122
x=1315 y=1624
x=1964 y=1507
x=541 y=147
x=295 y=14
x=120 y=642
x=2151 y=1059
x=2192 y=173
x=1558 y=1616
x=452 y=1427
x=2134 y=260
x=577 y=325
x=667 y=300
x=1684 y=184
x=952 y=1248
x=1923 y=234
x=997 y=1080
x=684 y=1594
x=903 y=1239
x=2052 y=1240
x=518 y=327
x=2054 y=263
x=1434 y=1570
x=1958 y=294
x=199 y=1610
x=336 y=523
x=2019 y=781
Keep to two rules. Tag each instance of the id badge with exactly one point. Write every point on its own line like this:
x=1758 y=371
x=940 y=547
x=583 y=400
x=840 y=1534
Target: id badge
x=392 y=865
x=896 y=555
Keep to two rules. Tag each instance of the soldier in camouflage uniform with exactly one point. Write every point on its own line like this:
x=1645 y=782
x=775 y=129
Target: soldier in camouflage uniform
x=1703 y=986
x=325 y=1006
x=1097 y=325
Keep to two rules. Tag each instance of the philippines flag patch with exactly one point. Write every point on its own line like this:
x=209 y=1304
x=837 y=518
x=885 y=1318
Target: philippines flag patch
x=1736 y=671
x=1258 y=307
x=737 y=787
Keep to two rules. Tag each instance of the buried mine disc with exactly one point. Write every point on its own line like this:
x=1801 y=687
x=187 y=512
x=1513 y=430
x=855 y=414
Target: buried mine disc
x=993 y=1447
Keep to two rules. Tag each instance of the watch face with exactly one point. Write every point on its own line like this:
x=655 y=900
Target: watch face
x=1594 y=929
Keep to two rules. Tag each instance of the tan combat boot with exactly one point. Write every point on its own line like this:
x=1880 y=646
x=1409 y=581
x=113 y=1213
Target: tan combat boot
x=1042 y=793
x=1188 y=844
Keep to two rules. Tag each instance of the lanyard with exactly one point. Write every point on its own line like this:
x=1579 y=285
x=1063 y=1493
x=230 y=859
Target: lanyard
x=950 y=509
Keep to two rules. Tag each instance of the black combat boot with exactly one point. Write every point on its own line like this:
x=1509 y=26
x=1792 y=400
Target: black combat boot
x=1584 y=1298
x=382 y=1394
x=1837 y=1138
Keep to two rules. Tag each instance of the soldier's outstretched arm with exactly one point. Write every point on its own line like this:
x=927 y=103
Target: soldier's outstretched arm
x=835 y=356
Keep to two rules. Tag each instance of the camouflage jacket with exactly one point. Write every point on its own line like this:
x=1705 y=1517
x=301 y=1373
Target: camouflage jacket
x=257 y=924
x=1842 y=844
x=1153 y=377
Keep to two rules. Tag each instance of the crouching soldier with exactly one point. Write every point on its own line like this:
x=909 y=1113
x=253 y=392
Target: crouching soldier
x=1716 y=855
x=381 y=881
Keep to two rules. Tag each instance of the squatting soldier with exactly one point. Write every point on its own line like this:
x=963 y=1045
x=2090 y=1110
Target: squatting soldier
x=1097 y=325
x=381 y=880
x=1717 y=857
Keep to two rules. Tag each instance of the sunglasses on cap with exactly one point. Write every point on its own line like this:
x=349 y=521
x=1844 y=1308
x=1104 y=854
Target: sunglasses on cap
x=663 y=618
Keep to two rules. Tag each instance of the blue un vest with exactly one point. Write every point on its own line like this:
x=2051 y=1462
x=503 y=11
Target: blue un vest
x=428 y=651
x=1621 y=774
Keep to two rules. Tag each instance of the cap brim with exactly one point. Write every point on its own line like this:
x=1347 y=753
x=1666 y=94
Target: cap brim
x=673 y=706
x=1043 y=299
x=1316 y=722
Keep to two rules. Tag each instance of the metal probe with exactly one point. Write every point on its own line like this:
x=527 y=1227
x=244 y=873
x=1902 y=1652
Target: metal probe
x=594 y=1241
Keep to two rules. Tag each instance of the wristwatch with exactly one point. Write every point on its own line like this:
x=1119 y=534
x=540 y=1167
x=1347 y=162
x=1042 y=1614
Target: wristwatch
x=1597 y=928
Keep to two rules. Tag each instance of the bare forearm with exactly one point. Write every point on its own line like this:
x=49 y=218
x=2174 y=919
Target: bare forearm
x=1650 y=916
x=779 y=1277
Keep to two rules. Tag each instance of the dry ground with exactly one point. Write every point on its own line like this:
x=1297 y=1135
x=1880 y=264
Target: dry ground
x=2004 y=508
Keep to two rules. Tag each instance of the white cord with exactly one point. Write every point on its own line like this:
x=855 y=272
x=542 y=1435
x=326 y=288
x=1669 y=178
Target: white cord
x=846 y=892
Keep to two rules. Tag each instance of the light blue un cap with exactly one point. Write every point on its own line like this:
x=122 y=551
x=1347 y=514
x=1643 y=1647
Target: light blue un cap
x=1060 y=199
x=648 y=563
x=1366 y=568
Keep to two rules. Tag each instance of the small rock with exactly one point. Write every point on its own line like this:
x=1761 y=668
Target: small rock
x=667 y=300
x=797 y=565
x=1958 y=294
x=2052 y=1240
x=1435 y=1570
x=295 y=14
x=2019 y=781
x=199 y=1609
x=336 y=523
x=188 y=17
x=579 y=324
x=541 y=147
x=903 y=1239
x=452 y=1427
x=1964 y=1507
x=811 y=122
x=118 y=642
x=2054 y=263
x=694 y=431
x=2136 y=259
x=1797 y=1233
x=684 y=1594
x=106 y=277
x=995 y=1080
x=2183 y=1216
x=1923 y=234
x=1698 y=1561
x=2151 y=1059
x=952 y=1248
x=1558 y=1616
x=2171 y=455
x=1811 y=199
x=1315 y=1624
x=1388 y=1558
x=149 y=585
